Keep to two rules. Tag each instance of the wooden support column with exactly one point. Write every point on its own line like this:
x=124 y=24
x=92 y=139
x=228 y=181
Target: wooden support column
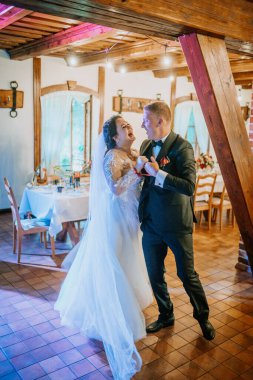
x=243 y=260
x=213 y=80
x=173 y=89
x=37 y=110
x=101 y=94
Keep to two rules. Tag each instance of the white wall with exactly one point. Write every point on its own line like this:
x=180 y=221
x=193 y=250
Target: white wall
x=16 y=135
x=55 y=71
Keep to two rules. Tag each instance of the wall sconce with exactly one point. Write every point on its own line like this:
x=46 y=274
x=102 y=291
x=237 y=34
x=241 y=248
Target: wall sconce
x=120 y=93
x=239 y=97
x=158 y=96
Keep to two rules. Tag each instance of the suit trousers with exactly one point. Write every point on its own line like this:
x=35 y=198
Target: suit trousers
x=155 y=245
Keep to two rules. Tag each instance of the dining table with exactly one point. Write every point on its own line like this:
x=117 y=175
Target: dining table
x=61 y=208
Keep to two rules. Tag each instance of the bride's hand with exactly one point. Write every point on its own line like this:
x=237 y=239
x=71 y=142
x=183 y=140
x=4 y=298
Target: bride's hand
x=152 y=167
x=141 y=161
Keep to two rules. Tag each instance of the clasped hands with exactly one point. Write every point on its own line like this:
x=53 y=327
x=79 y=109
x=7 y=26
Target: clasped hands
x=151 y=167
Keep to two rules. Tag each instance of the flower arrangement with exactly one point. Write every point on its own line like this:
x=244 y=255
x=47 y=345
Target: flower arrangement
x=164 y=161
x=204 y=161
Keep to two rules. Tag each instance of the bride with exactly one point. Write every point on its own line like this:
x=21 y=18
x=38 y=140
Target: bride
x=107 y=286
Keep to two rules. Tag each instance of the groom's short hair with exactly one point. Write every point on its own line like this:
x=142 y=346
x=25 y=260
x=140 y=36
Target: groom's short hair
x=159 y=108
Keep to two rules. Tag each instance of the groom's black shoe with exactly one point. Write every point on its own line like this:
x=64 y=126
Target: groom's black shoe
x=207 y=330
x=160 y=324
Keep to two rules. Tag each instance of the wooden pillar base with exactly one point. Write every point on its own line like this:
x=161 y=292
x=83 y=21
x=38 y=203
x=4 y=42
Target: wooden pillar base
x=243 y=260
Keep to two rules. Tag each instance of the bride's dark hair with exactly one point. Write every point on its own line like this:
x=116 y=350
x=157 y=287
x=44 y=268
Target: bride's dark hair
x=110 y=131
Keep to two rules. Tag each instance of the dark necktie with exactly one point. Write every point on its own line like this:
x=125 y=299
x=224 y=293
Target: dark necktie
x=157 y=143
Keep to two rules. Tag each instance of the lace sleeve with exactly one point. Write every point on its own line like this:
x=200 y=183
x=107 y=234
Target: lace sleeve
x=119 y=174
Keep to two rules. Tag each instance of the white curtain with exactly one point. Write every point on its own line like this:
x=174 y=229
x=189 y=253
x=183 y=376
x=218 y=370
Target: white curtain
x=56 y=112
x=200 y=127
x=182 y=117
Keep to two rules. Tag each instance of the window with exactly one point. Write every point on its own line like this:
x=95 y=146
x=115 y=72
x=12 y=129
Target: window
x=72 y=154
x=191 y=135
x=66 y=130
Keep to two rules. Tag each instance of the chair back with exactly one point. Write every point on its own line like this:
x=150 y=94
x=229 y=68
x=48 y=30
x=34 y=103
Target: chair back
x=205 y=187
x=14 y=206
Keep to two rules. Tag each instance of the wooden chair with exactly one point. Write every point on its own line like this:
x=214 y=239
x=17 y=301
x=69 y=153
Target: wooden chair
x=203 y=195
x=222 y=203
x=23 y=227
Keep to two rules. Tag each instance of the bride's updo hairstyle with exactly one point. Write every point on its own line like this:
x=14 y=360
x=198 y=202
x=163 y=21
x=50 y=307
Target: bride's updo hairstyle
x=110 y=131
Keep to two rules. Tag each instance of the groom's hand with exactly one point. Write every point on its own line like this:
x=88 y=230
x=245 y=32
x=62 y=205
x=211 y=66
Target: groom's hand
x=152 y=167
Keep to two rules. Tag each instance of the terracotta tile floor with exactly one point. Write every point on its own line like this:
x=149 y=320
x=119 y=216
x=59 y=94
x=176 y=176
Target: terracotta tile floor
x=33 y=344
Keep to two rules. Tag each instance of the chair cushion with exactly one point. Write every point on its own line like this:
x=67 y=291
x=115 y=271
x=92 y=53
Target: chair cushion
x=216 y=201
x=201 y=204
x=27 y=224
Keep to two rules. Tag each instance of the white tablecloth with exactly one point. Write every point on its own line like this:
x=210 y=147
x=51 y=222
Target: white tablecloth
x=67 y=206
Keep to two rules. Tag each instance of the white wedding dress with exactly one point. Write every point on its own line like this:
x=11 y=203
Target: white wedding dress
x=107 y=285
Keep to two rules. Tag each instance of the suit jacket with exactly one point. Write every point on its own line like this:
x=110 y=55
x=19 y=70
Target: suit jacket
x=170 y=208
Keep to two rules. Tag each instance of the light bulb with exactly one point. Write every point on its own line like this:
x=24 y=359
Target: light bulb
x=171 y=78
x=122 y=69
x=72 y=60
x=109 y=64
x=166 y=60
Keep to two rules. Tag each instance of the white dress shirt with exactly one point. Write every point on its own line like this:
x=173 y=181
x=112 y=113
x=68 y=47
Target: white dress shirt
x=160 y=176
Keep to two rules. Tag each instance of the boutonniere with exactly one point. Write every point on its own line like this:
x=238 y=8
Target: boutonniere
x=164 y=161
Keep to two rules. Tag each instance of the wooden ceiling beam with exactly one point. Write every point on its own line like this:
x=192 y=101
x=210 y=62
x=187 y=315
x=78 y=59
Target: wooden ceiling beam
x=12 y=15
x=165 y=73
x=243 y=65
x=154 y=63
x=80 y=33
x=167 y=19
x=247 y=75
x=240 y=69
x=135 y=50
x=245 y=84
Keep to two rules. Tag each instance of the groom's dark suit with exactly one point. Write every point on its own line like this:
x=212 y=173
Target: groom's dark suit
x=166 y=214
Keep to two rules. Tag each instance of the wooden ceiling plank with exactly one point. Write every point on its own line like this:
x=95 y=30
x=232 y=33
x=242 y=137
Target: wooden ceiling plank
x=34 y=32
x=15 y=14
x=57 y=18
x=213 y=80
x=54 y=24
x=49 y=44
x=27 y=35
x=168 y=19
x=14 y=39
x=37 y=26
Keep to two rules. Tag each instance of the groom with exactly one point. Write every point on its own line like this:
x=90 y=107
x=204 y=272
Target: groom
x=166 y=214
